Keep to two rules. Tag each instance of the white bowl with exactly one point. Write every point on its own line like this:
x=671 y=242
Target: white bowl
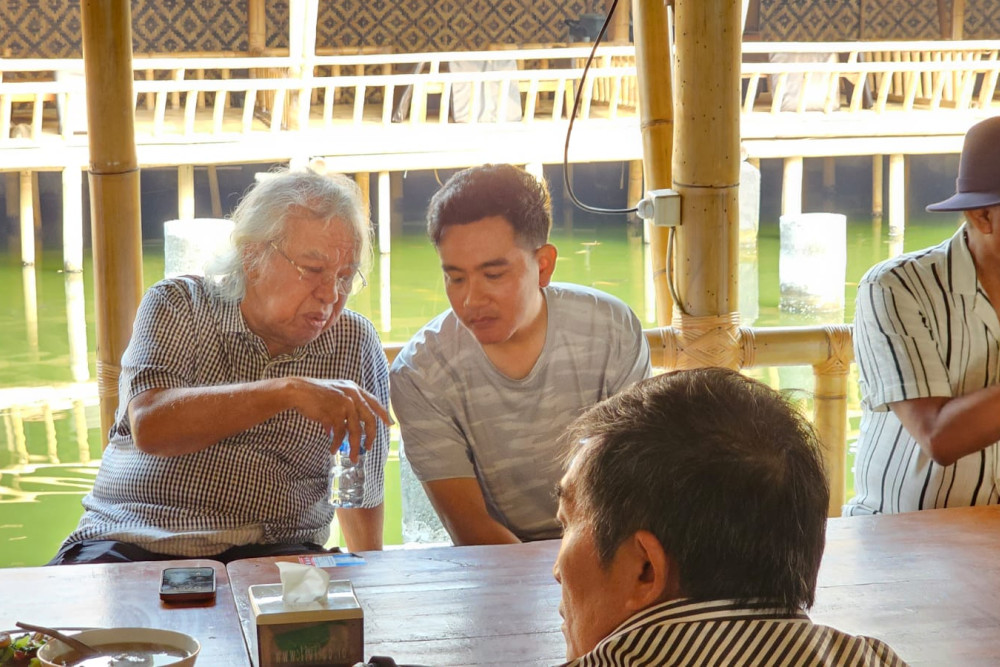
x=54 y=651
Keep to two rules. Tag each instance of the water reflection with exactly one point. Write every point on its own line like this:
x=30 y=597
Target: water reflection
x=76 y=323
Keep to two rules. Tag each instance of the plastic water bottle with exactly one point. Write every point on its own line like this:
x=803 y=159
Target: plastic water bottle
x=347 y=479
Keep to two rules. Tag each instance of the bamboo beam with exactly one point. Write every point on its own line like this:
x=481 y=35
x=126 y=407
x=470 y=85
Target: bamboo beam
x=791 y=186
x=706 y=165
x=114 y=188
x=656 y=116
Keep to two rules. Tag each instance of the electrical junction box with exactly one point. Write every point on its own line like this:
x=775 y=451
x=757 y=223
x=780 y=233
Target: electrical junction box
x=662 y=206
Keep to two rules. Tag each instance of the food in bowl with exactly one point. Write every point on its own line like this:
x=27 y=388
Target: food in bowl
x=19 y=651
x=125 y=647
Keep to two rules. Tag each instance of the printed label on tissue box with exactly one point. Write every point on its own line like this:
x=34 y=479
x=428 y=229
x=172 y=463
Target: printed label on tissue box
x=321 y=633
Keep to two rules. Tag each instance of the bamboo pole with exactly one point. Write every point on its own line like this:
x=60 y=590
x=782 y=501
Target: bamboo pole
x=957 y=19
x=618 y=30
x=257 y=27
x=706 y=173
x=114 y=188
x=656 y=115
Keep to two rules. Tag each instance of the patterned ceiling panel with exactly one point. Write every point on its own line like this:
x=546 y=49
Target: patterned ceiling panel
x=51 y=28
x=808 y=20
x=901 y=19
x=982 y=19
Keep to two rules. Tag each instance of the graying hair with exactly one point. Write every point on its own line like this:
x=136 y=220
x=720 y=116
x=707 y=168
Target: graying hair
x=265 y=211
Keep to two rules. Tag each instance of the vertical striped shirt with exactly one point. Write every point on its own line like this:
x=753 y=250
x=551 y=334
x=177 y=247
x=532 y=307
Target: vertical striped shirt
x=269 y=484
x=923 y=327
x=723 y=632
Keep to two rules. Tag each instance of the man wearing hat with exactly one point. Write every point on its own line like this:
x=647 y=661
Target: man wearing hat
x=927 y=343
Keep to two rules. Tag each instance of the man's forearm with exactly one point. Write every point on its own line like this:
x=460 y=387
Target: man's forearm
x=172 y=422
x=949 y=428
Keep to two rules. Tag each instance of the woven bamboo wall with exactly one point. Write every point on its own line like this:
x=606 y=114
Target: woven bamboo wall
x=51 y=28
x=831 y=20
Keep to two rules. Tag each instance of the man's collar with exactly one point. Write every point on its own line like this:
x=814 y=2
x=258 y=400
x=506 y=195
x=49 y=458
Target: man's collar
x=963 y=273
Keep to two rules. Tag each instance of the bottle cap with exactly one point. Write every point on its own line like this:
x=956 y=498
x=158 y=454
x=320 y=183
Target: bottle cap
x=345 y=446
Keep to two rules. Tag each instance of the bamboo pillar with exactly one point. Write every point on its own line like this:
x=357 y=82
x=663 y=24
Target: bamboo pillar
x=257 y=27
x=618 y=29
x=213 y=188
x=185 y=192
x=27 y=220
x=635 y=183
x=957 y=19
x=706 y=173
x=791 y=187
x=656 y=114
x=830 y=411
x=72 y=184
x=114 y=188
x=877 y=167
x=897 y=195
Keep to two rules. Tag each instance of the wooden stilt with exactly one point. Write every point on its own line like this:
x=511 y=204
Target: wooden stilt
x=384 y=212
x=213 y=187
x=791 y=187
x=72 y=219
x=27 y=220
x=185 y=192
x=635 y=182
x=897 y=195
x=877 y=206
x=396 y=207
x=829 y=180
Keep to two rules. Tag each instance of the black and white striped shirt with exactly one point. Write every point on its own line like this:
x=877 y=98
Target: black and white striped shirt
x=268 y=484
x=923 y=327
x=724 y=632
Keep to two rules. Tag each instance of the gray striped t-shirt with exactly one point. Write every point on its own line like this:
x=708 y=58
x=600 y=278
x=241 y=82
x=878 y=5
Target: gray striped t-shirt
x=923 y=327
x=460 y=417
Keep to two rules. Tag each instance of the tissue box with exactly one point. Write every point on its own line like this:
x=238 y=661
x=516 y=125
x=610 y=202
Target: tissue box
x=328 y=633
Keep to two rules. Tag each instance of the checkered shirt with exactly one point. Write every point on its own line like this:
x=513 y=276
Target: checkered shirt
x=268 y=484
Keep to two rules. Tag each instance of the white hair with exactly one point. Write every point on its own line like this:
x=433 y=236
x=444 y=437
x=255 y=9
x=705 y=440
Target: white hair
x=264 y=213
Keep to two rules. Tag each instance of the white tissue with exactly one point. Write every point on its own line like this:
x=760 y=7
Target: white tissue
x=303 y=586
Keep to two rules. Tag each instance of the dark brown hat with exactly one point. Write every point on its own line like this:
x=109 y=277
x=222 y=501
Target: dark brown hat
x=978 y=184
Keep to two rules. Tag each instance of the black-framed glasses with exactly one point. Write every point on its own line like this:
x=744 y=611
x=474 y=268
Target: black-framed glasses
x=314 y=276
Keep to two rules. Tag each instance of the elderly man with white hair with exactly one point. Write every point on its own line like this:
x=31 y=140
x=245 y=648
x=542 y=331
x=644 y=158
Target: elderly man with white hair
x=236 y=387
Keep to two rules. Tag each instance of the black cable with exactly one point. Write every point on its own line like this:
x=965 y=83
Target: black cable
x=569 y=130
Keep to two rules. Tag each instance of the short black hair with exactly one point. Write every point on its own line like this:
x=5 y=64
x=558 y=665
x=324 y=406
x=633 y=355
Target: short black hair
x=722 y=469
x=493 y=190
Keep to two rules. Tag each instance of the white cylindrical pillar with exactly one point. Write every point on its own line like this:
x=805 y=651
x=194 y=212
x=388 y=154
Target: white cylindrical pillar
x=188 y=245
x=812 y=263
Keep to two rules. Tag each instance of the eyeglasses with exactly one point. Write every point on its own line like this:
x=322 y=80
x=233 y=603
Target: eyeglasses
x=346 y=285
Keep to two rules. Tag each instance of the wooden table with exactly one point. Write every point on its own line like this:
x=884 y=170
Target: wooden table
x=928 y=583
x=123 y=595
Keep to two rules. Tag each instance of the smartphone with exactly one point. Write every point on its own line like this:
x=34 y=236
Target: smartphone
x=187 y=584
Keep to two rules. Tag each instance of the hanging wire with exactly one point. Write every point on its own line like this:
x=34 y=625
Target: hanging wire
x=569 y=130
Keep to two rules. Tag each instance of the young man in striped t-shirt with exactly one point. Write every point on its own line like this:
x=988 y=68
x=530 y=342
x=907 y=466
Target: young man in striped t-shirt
x=694 y=518
x=927 y=343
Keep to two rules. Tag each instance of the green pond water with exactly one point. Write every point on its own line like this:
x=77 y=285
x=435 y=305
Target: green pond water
x=50 y=450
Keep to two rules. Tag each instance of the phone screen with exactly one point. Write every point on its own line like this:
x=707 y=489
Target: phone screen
x=187 y=583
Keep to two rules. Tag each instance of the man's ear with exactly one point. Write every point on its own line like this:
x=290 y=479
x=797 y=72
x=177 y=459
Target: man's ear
x=980 y=219
x=546 y=258
x=653 y=574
